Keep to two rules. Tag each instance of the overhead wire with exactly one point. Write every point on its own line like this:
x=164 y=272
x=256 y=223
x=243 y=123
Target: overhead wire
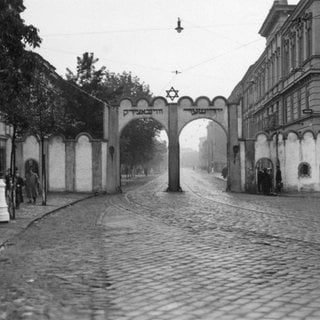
x=90 y=33
x=219 y=55
x=212 y=32
x=167 y=84
x=162 y=69
x=193 y=26
x=111 y=60
x=205 y=28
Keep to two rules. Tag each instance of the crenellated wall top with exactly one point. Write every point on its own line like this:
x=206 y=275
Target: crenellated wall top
x=160 y=101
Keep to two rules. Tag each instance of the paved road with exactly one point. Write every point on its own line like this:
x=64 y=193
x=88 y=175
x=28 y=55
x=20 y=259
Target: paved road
x=149 y=254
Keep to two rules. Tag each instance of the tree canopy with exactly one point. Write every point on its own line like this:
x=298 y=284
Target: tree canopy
x=137 y=141
x=16 y=64
x=104 y=84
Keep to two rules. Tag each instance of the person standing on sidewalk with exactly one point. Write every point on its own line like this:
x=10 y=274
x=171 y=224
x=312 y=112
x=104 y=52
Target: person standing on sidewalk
x=8 y=182
x=266 y=182
x=32 y=184
x=19 y=185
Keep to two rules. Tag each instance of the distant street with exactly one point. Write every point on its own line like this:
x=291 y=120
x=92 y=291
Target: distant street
x=147 y=254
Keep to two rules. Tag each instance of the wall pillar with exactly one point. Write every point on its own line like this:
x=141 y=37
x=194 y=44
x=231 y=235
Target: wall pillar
x=113 y=151
x=250 y=169
x=70 y=165
x=174 y=150
x=96 y=166
x=234 y=163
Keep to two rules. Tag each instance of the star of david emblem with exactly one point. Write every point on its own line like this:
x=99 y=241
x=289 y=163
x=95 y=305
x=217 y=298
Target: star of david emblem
x=172 y=93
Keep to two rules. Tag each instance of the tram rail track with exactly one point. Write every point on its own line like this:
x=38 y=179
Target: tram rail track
x=144 y=209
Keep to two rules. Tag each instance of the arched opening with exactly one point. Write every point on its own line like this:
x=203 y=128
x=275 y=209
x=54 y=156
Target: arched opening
x=264 y=166
x=143 y=149
x=203 y=149
x=304 y=170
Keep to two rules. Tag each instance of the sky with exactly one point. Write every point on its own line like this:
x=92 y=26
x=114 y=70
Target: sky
x=209 y=57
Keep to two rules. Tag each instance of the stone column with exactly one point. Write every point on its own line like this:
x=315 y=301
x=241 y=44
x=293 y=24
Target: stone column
x=234 y=165
x=174 y=150
x=113 y=151
x=250 y=170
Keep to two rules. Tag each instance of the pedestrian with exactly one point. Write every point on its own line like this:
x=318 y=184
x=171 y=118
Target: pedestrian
x=224 y=172
x=32 y=185
x=8 y=181
x=266 y=182
x=279 y=183
x=260 y=178
x=19 y=187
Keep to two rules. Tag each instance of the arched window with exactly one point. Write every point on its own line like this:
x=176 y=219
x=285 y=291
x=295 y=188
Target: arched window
x=304 y=170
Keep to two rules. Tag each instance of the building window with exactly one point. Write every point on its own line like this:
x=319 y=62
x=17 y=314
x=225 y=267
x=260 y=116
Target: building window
x=300 y=44
x=286 y=57
x=309 y=35
x=307 y=97
x=293 y=51
x=304 y=170
x=278 y=64
x=299 y=103
x=295 y=109
x=288 y=109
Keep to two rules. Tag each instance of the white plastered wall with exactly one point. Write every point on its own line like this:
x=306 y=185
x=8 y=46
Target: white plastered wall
x=31 y=149
x=308 y=150
x=57 y=164
x=292 y=160
x=83 y=176
x=262 y=149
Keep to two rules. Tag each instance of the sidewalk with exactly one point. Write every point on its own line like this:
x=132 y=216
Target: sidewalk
x=28 y=213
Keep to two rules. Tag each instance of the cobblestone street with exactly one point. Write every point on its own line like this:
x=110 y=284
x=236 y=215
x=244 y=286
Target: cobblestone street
x=148 y=254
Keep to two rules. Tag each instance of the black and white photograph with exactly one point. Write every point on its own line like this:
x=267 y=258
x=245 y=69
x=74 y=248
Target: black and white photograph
x=159 y=160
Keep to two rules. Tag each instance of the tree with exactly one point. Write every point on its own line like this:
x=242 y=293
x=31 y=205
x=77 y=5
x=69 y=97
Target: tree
x=159 y=151
x=46 y=111
x=16 y=67
x=87 y=112
x=138 y=145
x=104 y=84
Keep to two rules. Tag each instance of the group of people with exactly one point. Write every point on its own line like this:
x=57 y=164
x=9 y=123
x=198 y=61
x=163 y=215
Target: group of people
x=31 y=184
x=265 y=181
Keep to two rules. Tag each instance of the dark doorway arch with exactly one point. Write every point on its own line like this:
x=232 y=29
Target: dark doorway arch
x=261 y=165
x=142 y=151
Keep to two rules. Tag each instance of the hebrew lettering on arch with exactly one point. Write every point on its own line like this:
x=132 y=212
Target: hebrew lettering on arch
x=158 y=111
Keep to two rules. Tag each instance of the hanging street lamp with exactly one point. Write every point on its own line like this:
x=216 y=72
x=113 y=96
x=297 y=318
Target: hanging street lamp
x=179 y=28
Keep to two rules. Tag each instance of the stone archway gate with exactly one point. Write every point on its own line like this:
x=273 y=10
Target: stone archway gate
x=173 y=117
